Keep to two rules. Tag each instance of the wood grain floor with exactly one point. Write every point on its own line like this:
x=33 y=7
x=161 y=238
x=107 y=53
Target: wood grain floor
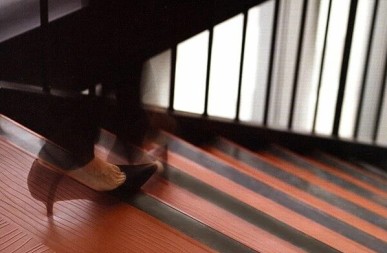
x=217 y=198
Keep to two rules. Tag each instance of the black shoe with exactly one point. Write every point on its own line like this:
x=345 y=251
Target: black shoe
x=136 y=176
x=49 y=186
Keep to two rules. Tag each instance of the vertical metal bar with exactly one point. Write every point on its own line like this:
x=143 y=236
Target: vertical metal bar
x=210 y=40
x=43 y=13
x=271 y=63
x=172 y=78
x=344 y=66
x=209 y=56
x=44 y=44
x=298 y=63
x=238 y=105
x=365 y=72
x=321 y=67
x=380 y=102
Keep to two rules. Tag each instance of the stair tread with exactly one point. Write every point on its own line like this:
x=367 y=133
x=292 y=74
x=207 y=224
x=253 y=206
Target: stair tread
x=190 y=152
x=237 y=152
x=362 y=174
x=201 y=201
x=84 y=216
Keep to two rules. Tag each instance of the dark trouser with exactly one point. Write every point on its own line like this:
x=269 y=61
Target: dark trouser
x=76 y=125
x=78 y=132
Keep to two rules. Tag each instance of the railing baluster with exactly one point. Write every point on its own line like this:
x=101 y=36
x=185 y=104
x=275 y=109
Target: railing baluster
x=365 y=72
x=321 y=67
x=44 y=44
x=380 y=102
x=271 y=63
x=210 y=39
x=238 y=105
x=344 y=66
x=172 y=79
x=209 y=56
x=43 y=13
x=298 y=63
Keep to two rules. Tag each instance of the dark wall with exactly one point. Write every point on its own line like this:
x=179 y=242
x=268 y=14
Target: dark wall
x=91 y=45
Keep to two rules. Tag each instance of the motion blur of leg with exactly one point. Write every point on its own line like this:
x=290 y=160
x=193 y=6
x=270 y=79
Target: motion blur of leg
x=76 y=131
x=120 y=29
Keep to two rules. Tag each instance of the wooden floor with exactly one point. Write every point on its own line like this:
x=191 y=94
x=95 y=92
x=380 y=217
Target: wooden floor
x=216 y=198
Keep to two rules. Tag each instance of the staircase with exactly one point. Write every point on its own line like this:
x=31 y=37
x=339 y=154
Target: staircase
x=226 y=186
x=217 y=196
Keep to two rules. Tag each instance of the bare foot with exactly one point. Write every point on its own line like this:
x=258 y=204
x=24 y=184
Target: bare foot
x=99 y=175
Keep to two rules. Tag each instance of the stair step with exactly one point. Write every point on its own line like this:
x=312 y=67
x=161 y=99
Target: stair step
x=214 y=202
x=361 y=175
x=282 y=175
x=83 y=220
x=220 y=197
x=333 y=169
x=314 y=200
